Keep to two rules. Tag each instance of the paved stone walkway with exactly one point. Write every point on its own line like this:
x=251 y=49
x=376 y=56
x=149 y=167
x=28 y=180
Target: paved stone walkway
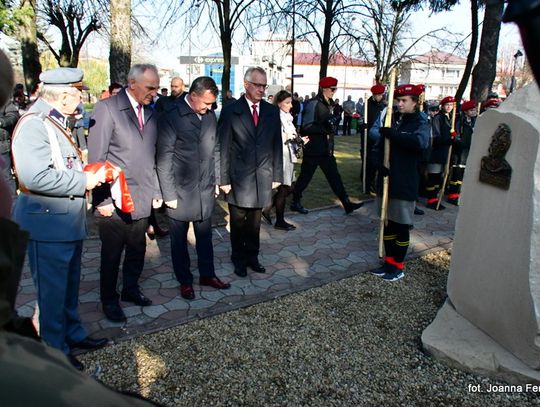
x=326 y=246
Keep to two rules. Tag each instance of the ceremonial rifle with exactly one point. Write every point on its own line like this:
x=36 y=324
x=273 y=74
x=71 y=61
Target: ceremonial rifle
x=386 y=164
x=447 y=166
x=364 y=158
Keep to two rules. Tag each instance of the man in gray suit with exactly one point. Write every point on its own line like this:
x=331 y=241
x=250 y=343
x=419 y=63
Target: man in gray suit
x=123 y=130
x=251 y=154
x=52 y=207
x=186 y=170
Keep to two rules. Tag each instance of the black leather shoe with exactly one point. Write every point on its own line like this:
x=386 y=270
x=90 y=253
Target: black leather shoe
x=284 y=226
x=352 y=206
x=114 y=313
x=266 y=216
x=418 y=211
x=137 y=299
x=240 y=271
x=76 y=363
x=297 y=207
x=90 y=343
x=256 y=267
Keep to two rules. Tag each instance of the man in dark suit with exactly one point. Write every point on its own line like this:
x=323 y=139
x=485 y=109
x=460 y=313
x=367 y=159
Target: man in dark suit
x=123 y=130
x=165 y=103
x=251 y=166
x=186 y=171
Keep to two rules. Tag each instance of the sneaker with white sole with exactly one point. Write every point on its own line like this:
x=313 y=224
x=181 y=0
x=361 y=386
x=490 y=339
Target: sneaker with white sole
x=394 y=275
x=381 y=271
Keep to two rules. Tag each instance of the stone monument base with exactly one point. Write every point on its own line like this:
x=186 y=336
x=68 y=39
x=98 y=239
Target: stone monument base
x=456 y=342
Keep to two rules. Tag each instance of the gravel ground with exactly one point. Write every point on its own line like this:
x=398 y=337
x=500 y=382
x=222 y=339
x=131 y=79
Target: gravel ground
x=354 y=342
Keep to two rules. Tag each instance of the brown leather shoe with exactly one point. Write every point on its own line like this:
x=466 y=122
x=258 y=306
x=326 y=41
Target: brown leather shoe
x=214 y=282
x=186 y=291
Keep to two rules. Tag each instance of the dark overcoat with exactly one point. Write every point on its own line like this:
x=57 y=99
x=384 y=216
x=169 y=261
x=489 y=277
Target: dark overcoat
x=441 y=139
x=115 y=136
x=409 y=140
x=251 y=157
x=186 y=162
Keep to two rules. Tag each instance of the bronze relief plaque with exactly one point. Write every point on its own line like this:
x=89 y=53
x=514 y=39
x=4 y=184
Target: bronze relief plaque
x=494 y=169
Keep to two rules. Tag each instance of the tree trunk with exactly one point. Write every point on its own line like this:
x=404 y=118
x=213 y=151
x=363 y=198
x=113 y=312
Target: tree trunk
x=120 y=52
x=325 y=46
x=226 y=46
x=29 y=49
x=472 y=51
x=485 y=70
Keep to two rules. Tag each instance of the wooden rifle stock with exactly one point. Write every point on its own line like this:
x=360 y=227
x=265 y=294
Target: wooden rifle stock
x=364 y=150
x=386 y=163
x=447 y=166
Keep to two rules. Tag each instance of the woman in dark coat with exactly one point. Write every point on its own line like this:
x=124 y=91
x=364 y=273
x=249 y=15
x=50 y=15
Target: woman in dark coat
x=409 y=137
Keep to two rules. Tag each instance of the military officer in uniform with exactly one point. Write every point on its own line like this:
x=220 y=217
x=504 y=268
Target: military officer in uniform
x=52 y=207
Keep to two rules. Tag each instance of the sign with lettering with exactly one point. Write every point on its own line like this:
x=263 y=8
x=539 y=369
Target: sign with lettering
x=206 y=60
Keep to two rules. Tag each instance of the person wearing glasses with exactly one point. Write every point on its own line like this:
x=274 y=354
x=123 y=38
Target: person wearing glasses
x=52 y=208
x=251 y=159
x=319 y=152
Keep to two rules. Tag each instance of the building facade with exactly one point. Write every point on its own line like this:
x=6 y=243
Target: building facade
x=439 y=71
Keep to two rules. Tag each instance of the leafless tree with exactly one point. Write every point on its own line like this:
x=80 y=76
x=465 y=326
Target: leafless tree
x=76 y=20
x=228 y=18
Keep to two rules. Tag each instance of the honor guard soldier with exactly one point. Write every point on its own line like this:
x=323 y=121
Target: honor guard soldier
x=442 y=139
x=409 y=137
x=462 y=145
x=319 y=152
x=52 y=207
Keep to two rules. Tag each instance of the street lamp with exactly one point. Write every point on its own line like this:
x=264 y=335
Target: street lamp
x=513 y=82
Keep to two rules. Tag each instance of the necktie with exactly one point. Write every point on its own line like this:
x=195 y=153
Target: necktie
x=140 y=117
x=255 y=115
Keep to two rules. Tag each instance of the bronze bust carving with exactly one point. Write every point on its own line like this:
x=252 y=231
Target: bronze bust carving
x=494 y=169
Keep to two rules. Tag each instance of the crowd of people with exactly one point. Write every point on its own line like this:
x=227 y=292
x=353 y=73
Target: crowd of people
x=143 y=153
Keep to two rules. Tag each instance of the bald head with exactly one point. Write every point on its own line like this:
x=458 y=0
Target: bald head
x=177 y=86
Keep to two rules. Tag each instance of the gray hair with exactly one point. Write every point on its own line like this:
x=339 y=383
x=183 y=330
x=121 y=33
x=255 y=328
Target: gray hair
x=53 y=93
x=202 y=84
x=138 y=70
x=247 y=75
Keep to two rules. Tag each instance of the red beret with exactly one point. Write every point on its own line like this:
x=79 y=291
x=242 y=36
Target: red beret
x=377 y=89
x=422 y=87
x=448 y=99
x=328 y=82
x=493 y=102
x=408 y=90
x=471 y=104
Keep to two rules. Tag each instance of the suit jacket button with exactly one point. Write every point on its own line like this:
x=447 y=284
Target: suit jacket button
x=46 y=211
